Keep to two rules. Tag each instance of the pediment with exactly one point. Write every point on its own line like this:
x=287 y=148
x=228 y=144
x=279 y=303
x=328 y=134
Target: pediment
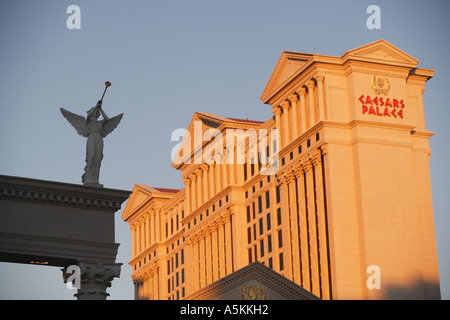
x=138 y=197
x=381 y=51
x=288 y=65
x=193 y=138
x=253 y=282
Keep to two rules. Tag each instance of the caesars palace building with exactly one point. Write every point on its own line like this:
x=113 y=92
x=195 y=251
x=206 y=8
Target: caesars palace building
x=330 y=198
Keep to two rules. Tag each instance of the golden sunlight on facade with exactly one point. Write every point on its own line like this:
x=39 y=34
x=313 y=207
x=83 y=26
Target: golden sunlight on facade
x=335 y=185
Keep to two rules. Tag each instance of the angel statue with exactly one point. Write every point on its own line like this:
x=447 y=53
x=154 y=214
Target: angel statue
x=94 y=130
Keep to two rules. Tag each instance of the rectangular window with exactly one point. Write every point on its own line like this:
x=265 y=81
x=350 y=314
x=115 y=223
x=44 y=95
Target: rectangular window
x=176 y=260
x=248 y=213
x=177 y=278
x=278 y=193
x=250 y=255
x=299 y=149
x=171 y=226
x=308 y=143
x=182 y=292
x=317 y=136
x=269 y=243
x=182 y=275
x=254 y=231
x=268 y=221
x=261 y=227
x=182 y=256
x=291 y=155
x=270 y=263
x=281 y=262
x=252 y=167
x=249 y=234
x=261 y=246
x=245 y=171
x=280 y=239
x=260 y=207
x=267 y=198
x=279 y=216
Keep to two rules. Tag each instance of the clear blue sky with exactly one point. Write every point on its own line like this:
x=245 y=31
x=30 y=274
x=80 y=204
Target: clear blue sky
x=166 y=60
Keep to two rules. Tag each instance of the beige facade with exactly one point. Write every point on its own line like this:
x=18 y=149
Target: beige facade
x=342 y=185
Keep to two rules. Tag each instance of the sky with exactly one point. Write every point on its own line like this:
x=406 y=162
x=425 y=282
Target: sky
x=166 y=60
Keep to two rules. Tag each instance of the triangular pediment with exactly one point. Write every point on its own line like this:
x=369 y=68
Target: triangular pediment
x=381 y=51
x=138 y=197
x=193 y=138
x=288 y=65
x=253 y=282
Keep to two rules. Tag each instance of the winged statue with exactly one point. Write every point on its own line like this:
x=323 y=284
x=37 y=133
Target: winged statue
x=94 y=130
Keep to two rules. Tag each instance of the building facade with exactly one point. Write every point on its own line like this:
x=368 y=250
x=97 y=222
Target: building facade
x=334 y=186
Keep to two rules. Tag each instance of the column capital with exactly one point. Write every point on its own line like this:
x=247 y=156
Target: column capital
x=302 y=91
x=199 y=172
x=285 y=105
x=205 y=167
x=305 y=164
x=95 y=279
x=310 y=84
x=276 y=111
x=315 y=157
x=319 y=78
x=193 y=177
x=187 y=181
x=293 y=98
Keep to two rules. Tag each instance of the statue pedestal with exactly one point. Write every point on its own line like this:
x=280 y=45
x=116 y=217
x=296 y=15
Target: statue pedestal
x=61 y=224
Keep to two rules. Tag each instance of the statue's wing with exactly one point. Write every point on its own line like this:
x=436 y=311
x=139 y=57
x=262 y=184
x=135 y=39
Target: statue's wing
x=111 y=124
x=77 y=121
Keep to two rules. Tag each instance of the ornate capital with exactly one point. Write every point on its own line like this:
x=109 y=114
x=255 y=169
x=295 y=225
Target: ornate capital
x=306 y=164
x=187 y=181
x=95 y=279
x=199 y=172
x=205 y=167
x=293 y=98
x=311 y=84
x=276 y=111
x=302 y=91
x=315 y=157
x=285 y=105
x=319 y=78
x=193 y=177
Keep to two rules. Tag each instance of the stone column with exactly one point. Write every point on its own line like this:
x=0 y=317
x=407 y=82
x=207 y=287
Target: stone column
x=303 y=116
x=212 y=180
x=158 y=224
x=277 y=112
x=215 y=254
x=187 y=182
x=142 y=221
x=312 y=103
x=94 y=279
x=199 y=174
x=316 y=159
x=147 y=230
x=312 y=225
x=295 y=248
x=152 y=226
x=138 y=237
x=286 y=119
x=208 y=251
x=320 y=95
x=205 y=169
x=228 y=243
x=133 y=241
x=303 y=229
x=194 y=191
x=295 y=115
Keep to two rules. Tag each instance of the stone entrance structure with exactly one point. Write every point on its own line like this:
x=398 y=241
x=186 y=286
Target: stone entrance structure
x=61 y=224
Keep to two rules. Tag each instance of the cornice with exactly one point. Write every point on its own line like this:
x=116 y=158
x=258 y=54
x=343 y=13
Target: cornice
x=62 y=194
